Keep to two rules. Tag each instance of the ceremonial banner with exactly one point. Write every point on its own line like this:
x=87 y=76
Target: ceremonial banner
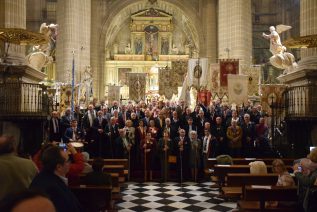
x=179 y=69
x=271 y=94
x=137 y=83
x=66 y=96
x=198 y=72
x=113 y=93
x=204 y=97
x=228 y=67
x=167 y=83
x=238 y=88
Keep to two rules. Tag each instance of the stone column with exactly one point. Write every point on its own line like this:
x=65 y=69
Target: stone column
x=308 y=26
x=210 y=16
x=235 y=30
x=97 y=51
x=74 y=20
x=13 y=15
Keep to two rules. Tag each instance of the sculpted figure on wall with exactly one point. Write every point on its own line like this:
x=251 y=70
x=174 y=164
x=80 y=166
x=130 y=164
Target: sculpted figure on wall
x=127 y=49
x=43 y=54
x=280 y=59
x=138 y=46
x=164 y=46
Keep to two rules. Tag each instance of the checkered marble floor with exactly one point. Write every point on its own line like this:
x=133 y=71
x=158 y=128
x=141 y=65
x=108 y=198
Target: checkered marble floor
x=171 y=196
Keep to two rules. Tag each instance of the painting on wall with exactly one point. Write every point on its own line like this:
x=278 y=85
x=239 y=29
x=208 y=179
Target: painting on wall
x=122 y=76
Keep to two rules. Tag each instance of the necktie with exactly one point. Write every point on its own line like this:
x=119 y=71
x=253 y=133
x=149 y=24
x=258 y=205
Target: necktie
x=56 y=125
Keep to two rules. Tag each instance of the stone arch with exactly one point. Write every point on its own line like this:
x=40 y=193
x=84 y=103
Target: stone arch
x=182 y=12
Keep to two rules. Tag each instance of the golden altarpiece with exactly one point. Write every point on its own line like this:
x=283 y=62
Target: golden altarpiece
x=149 y=48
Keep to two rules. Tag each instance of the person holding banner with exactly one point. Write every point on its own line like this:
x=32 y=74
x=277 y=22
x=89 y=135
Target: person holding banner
x=164 y=148
x=147 y=149
x=182 y=150
x=194 y=157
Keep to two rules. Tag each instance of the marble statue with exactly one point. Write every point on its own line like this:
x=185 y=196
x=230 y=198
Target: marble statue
x=86 y=85
x=43 y=54
x=127 y=49
x=280 y=59
x=115 y=48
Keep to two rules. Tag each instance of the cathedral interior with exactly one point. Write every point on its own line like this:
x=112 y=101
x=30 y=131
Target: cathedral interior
x=256 y=57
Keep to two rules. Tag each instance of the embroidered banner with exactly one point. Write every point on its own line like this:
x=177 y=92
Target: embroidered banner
x=137 y=83
x=228 y=67
x=168 y=84
x=113 y=93
x=238 y=88
x=198 y=72
x=271 y=94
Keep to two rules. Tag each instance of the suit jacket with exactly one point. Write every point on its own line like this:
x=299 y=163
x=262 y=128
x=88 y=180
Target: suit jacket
x=186 y=128
x=186 y=146
x=52 y=135
x=97 y=125
x=69 y=134
x=58 y=192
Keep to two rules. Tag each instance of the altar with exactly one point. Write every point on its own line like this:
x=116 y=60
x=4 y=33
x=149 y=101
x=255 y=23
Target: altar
x=151 y=45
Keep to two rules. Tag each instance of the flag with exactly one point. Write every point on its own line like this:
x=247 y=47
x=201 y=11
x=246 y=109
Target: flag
x=229 y=66
x=137 y=83
x=238 y=88
x=73 y=84
x=198 y=72
x=168 y=84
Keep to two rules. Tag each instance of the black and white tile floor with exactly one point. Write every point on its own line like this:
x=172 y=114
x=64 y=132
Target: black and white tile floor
x=171 y=196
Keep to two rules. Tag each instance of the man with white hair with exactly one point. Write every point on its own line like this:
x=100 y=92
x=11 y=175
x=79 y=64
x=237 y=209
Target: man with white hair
x=248 y=136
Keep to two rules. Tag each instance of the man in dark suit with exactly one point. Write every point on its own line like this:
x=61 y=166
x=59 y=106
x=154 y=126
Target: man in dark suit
x=52 y=180
x=122 y=145
x=88 y=120
x=99 y=126
x=73 y=133
x=190 y=126
x=65 y=121
x=113 y=134
x=54 y=128
x=182 y=151
x=219 y=134
x=248 y=136
x=78 y=115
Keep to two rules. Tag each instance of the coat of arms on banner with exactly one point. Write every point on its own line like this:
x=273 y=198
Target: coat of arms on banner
x=137 y=82
x=229 y=66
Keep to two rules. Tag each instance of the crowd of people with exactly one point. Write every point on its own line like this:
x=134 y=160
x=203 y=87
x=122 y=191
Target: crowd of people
x=162 y=136
x=164 y=133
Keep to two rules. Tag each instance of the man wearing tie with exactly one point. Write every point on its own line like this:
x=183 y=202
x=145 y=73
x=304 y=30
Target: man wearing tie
x=72 y=133
x=182 y=149
x=206 y=147
x=54 y=128
x=89 y=118
x=99 y=127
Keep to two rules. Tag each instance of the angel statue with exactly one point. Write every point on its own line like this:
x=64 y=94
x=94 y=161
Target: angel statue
x=43 y=54
x=280 y=59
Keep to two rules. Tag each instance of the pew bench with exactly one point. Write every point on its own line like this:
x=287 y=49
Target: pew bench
x=237 y=181
x=122 y=161
x=255 y=198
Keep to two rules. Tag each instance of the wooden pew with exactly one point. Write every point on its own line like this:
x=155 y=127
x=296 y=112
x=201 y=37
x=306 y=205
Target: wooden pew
x=115 y=169
x=237 y=181
x=211 y=162
x=256 y=196
x=122 y=161
x=221 y=171
x=94 y=198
